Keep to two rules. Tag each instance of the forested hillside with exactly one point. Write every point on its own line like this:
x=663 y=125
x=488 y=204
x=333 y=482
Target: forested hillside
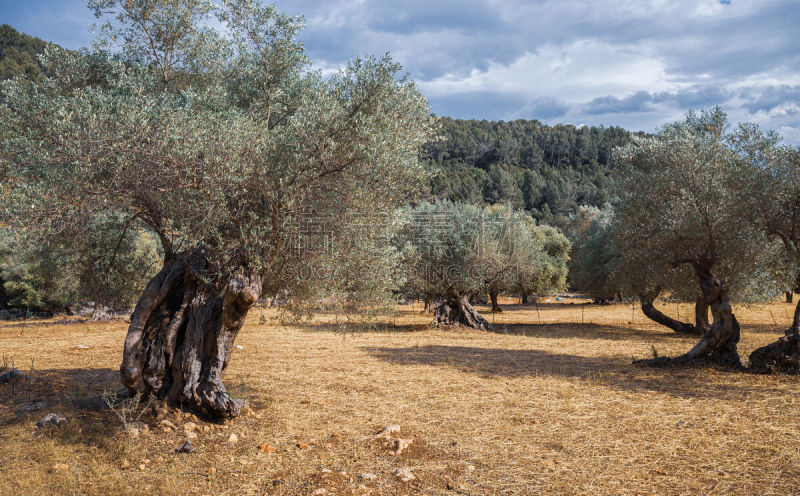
x=18 y=53
x=547 y=170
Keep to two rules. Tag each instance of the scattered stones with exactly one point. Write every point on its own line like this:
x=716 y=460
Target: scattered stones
x=302 y=446
x=60 y=466
x=189 y=426
x=136 y=428
x=233 y=438
x=191 y=435
x=326 y=471
x=367 y=476
x=51 y=419
x=404 y=474
x=320 y=492
x=266 y=448
x=470 y=468
x=278 y=482
x=168 y=425
x=125 y=464
x=14 y=376
x=401 y=445
x=186 y=448
x=388 y=432
x=239 y=347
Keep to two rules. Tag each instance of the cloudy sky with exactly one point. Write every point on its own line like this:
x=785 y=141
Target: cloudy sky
x=632 y=63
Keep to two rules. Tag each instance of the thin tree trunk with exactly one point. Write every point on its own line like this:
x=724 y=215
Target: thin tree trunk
x=718 y=345
x=493 y=296
x=660 y=318
x=789 y=297
x=182 y=333
x=428 y=299
x=456 y=310
x=524 y=299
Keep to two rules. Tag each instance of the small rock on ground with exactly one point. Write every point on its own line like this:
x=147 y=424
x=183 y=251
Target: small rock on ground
x=404 y=474
x=388 y=432
x=368 y=476
x=186 y=448
x=51 y=419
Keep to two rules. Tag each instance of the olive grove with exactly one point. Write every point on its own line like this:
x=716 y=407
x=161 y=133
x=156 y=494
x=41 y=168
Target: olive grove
x=216 y=141
x=452 y=250
x=681 y=228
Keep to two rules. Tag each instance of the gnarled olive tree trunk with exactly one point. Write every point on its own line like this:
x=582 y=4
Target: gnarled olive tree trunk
x=182 y=333
x=781 y=356
x=718 y=344
x=456 y=310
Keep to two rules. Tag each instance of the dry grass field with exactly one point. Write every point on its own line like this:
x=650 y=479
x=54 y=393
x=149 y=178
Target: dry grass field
x=550 y=404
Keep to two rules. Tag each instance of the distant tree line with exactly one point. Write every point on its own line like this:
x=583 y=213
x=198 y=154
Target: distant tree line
x=549 y=171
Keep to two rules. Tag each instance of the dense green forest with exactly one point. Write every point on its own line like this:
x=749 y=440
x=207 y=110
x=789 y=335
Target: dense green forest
x=18 y=53
x=547 y=170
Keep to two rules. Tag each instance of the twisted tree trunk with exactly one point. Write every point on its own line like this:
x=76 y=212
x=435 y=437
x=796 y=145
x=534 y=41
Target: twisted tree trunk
x=660 y=318
x=718 y=345
x=781 y=356
x=456 y=310
x=182 y=333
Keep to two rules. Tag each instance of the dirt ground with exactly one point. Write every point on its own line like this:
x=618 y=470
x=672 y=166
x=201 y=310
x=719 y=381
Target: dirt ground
x=549 y=404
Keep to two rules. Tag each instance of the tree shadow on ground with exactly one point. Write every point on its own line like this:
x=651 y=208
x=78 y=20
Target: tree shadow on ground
x=615 y=372
x=355 y=328
x=587 y=331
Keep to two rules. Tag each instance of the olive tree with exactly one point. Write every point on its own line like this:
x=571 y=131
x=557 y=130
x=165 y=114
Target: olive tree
x=218 y=141
x=680 y=218
x=454 y=250
x=594 y=256
x=772 y=183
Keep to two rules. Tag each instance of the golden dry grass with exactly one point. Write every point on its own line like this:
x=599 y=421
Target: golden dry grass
x=547 y=405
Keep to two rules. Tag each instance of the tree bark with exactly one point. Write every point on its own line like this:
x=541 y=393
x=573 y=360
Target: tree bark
x=701 y=325
x=782 y=356
x=456 y=310
x=493 y=296
x=524 y=299
x=182 y=333
x=789 y=297
x=660 y=318
x=428 y=299
x=718 y=345
x=796 y=320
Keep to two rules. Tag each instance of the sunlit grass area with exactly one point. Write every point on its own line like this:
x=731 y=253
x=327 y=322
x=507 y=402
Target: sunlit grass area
x=549 y=404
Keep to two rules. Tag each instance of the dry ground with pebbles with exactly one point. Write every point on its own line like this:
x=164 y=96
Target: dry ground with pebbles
x=547 y=405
